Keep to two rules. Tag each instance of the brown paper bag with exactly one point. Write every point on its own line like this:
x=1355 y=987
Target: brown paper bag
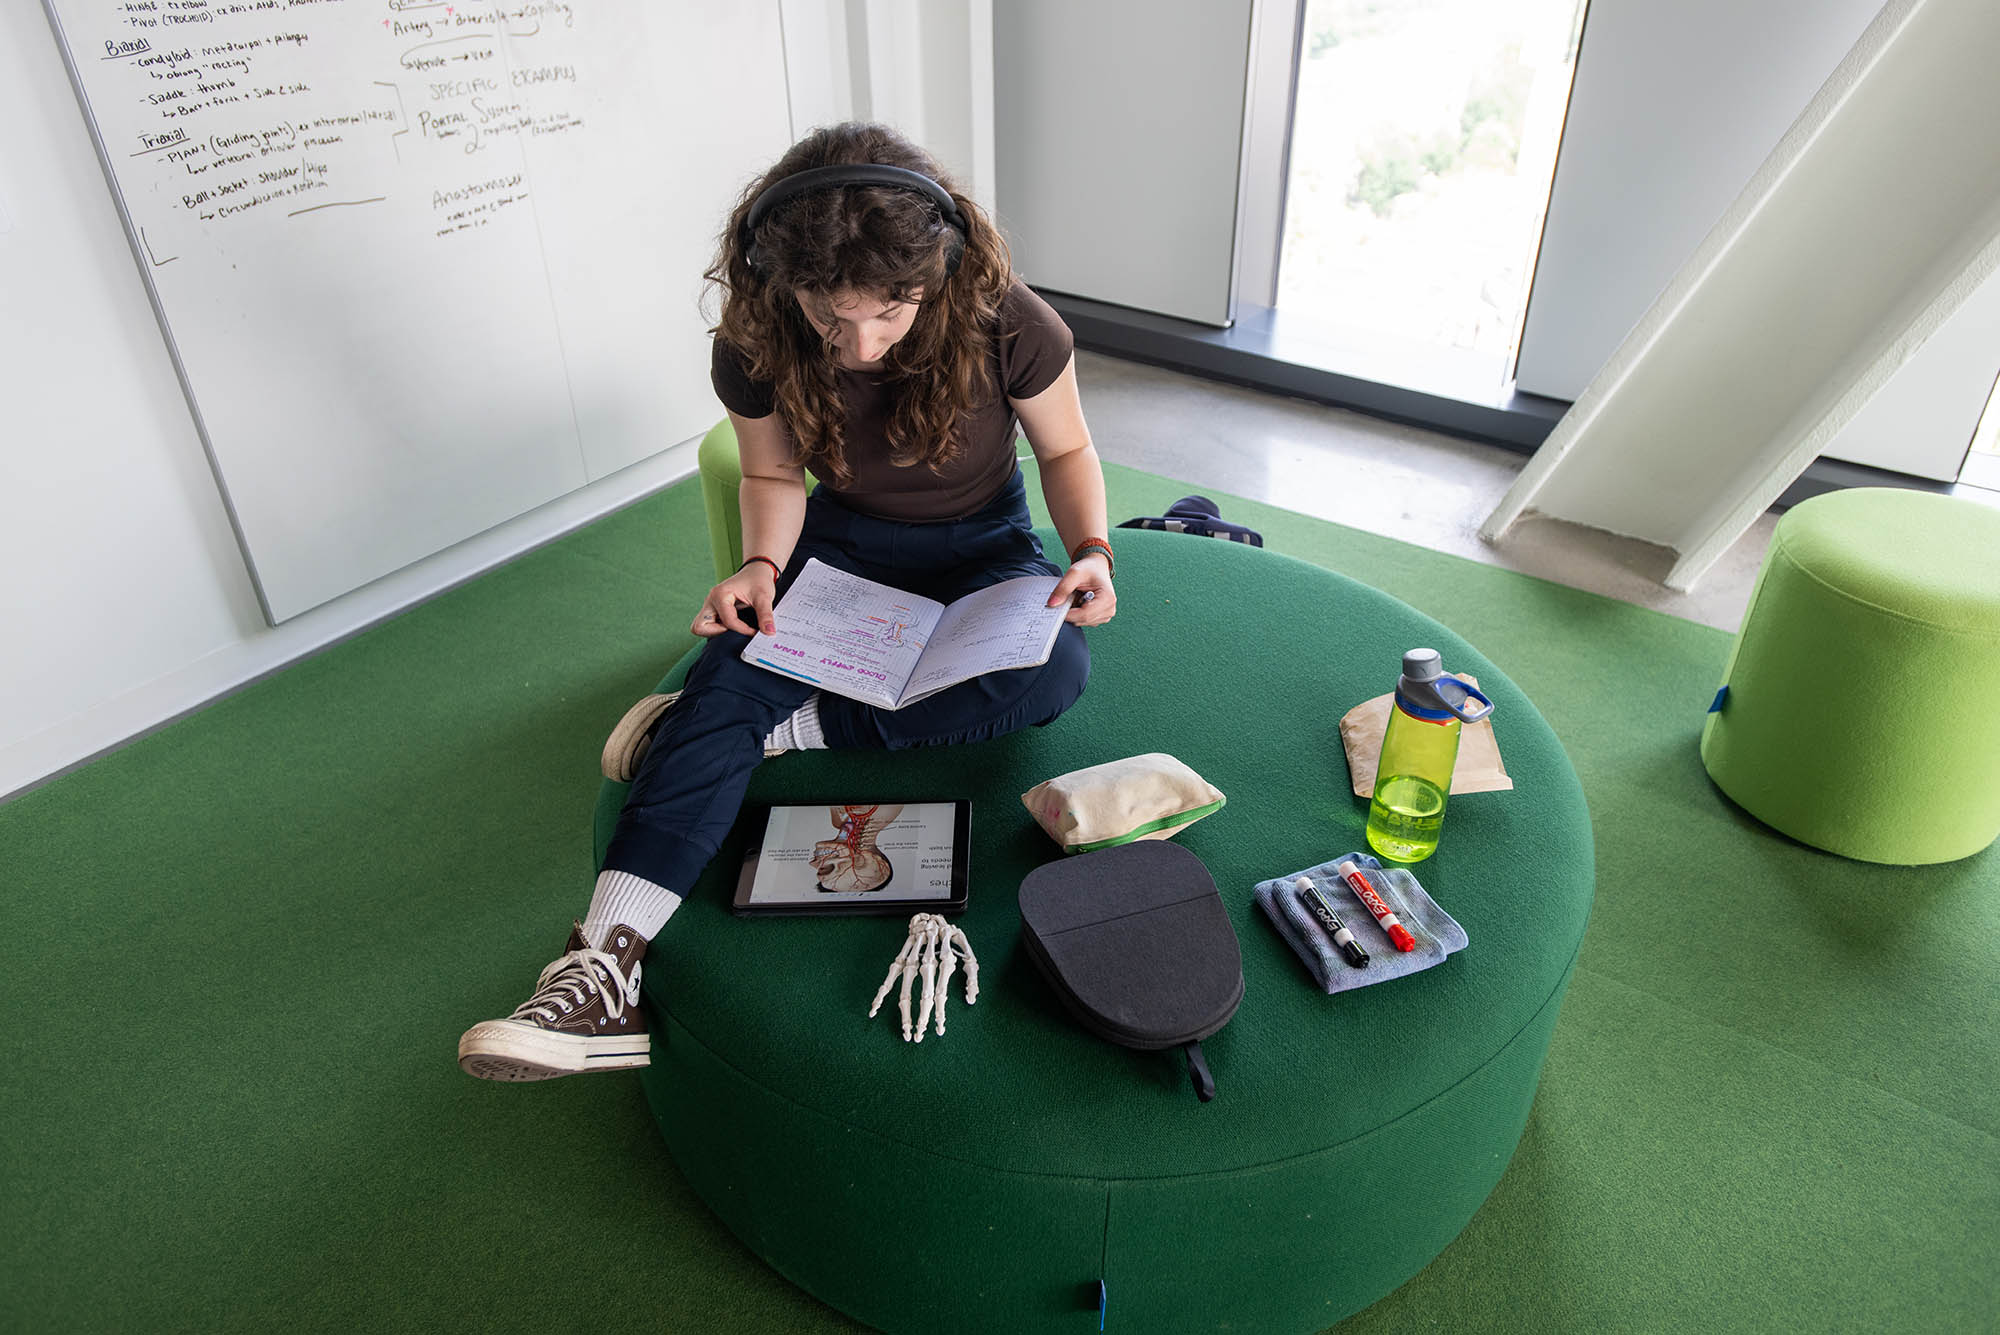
x=1478 y=769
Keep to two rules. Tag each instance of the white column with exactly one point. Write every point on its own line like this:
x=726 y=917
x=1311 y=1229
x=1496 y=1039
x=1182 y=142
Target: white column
x=819 y=72
x=926 y=68
x=1866 y=228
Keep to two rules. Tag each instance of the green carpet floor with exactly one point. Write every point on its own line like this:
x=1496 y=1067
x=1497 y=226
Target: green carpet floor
x=238 y=954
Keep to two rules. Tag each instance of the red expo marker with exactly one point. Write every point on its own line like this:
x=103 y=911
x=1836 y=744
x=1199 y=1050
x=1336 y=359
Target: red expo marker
x=1399 y=935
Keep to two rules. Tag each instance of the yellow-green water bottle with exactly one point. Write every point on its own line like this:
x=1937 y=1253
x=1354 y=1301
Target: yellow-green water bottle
x=1419 y=747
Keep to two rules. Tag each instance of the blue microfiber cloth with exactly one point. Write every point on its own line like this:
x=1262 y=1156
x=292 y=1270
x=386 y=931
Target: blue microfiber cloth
x=1437 y=932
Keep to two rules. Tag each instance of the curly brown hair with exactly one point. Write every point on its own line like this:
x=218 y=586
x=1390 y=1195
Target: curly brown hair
x=873 y=239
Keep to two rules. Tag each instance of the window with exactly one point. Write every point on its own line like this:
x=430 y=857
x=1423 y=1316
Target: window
x=1423 y=147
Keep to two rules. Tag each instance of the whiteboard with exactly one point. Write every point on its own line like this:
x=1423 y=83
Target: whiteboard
x=424 y=266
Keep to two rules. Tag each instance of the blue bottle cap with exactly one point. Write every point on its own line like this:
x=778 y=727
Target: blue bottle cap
x=1428 y=693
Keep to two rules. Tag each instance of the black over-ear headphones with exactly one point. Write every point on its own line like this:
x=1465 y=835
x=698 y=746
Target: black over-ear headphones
x=868 y=173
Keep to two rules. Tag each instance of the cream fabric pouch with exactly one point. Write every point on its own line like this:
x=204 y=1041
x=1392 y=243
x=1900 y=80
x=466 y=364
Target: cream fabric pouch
x=1142 y=797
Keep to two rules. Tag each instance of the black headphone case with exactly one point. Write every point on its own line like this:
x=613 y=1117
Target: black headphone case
x=1137 y=942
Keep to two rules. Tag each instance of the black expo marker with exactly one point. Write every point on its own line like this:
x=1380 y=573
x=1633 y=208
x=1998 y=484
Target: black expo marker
x=1315 y=902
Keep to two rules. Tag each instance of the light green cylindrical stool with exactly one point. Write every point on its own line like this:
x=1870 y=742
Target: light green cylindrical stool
x=1858 y=713
x=721 y=478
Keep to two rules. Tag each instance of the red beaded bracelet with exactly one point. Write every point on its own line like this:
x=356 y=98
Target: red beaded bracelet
x=1094 y=545
x=777 y=570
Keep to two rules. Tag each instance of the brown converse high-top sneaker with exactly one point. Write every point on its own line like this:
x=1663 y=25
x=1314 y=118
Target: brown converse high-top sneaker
x=584 y=1016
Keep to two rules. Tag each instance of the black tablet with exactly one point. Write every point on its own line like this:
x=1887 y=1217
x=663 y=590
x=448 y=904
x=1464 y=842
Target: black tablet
x=856 y=857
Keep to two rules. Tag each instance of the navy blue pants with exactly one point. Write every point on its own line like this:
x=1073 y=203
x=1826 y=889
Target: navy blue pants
x=691 y=783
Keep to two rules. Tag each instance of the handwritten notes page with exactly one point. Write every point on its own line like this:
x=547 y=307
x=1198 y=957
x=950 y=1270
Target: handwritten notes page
x=846 y=634
x=1002 y=626
x=870 y=642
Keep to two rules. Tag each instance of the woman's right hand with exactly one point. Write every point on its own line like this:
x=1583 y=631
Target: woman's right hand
x=755 y=587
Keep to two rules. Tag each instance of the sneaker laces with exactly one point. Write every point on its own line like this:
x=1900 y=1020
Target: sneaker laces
x=568 y=983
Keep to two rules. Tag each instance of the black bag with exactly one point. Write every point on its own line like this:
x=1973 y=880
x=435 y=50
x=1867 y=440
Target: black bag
x=1137 y=943
x=1197 y=515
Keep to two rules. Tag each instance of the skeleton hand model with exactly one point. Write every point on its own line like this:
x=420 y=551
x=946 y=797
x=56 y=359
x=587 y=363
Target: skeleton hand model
x=850 y=861
x=933 y=953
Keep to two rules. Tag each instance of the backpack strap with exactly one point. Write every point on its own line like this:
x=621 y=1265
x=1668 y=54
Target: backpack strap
x=1204 y=1083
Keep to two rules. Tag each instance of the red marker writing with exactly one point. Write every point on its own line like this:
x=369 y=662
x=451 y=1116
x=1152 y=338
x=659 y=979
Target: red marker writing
x=1399 y=935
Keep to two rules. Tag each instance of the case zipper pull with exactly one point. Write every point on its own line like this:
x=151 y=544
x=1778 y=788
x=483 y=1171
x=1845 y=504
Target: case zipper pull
x=1204 y=1083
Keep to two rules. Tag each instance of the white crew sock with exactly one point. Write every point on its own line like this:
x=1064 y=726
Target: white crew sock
x=800 y=732
x=621 y=897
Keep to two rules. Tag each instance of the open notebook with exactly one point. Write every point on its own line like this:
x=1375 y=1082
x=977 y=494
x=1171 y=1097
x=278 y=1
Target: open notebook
x=887 y=647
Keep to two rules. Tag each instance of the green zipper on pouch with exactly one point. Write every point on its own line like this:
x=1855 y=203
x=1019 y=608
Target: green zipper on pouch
x=1192 y=814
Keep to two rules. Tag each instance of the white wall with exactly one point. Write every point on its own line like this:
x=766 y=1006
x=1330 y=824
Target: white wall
x=123 y=591
x=926 y=67
x=1120 y=128
x=116 y=557
x=1922 y=420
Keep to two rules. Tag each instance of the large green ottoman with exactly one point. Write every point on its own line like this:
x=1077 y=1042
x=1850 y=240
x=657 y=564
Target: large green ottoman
x=1859 y=707
x=987 y=1179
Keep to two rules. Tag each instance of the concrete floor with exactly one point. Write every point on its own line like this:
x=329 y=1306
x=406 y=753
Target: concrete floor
x=1403 y=482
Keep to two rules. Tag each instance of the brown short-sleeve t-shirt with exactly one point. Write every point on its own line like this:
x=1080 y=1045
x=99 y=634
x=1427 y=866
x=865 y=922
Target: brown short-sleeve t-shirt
x=1031 y=349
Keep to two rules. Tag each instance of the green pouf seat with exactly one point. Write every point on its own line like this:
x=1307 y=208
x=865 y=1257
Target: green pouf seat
x=721 y=478
x=1859 y=711
x=988 y=1179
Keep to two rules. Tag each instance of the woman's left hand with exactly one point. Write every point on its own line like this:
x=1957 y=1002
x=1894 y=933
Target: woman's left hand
x=1088 y=586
